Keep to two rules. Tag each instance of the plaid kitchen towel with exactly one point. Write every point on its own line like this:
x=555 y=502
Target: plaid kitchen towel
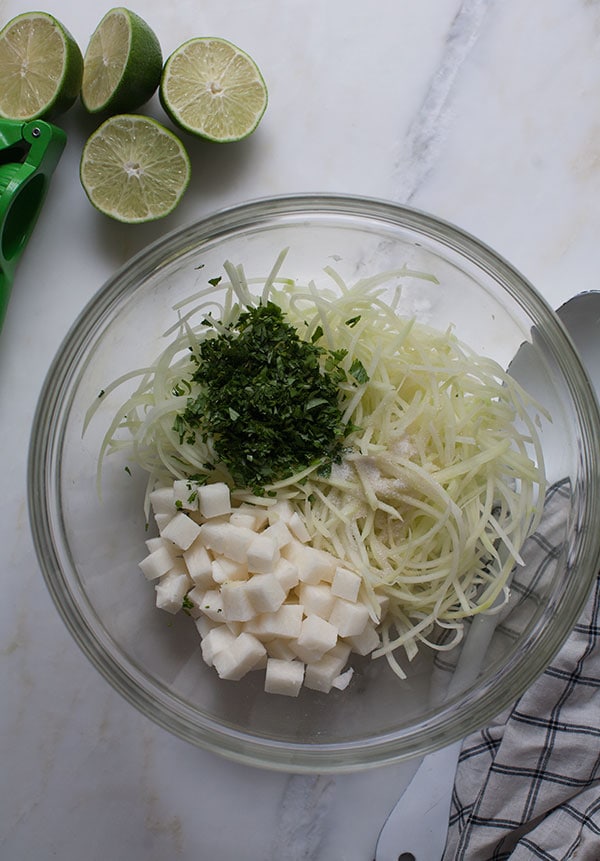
x=528 y=786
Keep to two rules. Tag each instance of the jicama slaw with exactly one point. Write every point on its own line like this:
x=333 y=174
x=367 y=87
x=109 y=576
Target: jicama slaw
x=442 y=475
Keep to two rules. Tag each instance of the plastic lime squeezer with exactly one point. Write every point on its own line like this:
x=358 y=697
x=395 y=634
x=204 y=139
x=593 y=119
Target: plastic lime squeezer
x=29 y=153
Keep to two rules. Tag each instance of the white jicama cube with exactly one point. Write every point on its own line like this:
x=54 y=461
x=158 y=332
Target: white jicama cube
x=297 y=527
x=265 y=592
x=162 y=519
x=244 y=519
x=214 y=499
x=317 y=599
x=285 y=623
x=224 y=569
x=171 y=590
x=365 y=642
x=185 y=494
x=313 y=565
x=153 y=544
x=348 y=617
x=279 y=532
x=317 y=635
x=279 y=648
x=281 y=510
x=256 y=512
x=321 y=674
x=346 y=584
x=287 y=574
x=157 y=563
x=212 y=605
x=262 y=554
x=162 y=501
x=204 y=625
x=214 y=641
x=181 y=530
x=284 y=677
x=241 y=656
x=237 y=606
x=198 y=563
x=226 y=539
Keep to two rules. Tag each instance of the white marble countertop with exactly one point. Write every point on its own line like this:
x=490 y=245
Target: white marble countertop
x=485 y=113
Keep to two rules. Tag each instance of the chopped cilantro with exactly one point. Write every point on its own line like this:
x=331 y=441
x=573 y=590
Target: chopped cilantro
x=268 y=400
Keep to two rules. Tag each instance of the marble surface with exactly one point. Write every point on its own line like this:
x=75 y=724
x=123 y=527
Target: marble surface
x=486 y=113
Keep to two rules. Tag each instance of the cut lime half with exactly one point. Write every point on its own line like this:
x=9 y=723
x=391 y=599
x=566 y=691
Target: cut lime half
x=133 y=169
x=122 y=64
x=213 y=89
x=41 y=67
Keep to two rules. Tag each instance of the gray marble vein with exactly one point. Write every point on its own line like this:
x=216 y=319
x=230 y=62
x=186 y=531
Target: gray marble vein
x=424 y=140
x=302 y=817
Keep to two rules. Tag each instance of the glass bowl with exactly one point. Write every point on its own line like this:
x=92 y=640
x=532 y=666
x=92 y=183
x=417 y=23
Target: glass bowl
x=89 y=547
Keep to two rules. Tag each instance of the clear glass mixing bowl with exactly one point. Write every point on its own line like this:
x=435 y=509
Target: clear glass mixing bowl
x=89 y=547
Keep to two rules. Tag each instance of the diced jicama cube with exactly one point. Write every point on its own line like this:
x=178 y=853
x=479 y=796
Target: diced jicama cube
x=162 y=519
x=198 y=563
x=345 y=584
x=181 y=530
x=285 y=622
x=365 y=642
x=281 y=510
x=350 y=618
x=342 y=681
x=237 y=606
x=162 y=501
x=212 y=605
x=224 y=569
x=214 y=499
x=256 y=512
x=262 y=554
x=171 y=590
x=241 y=656
x=279 y=532
x=297 y=527
x=204 y=624
x=313 y=565
x=265 y=592
x=279 y=648
x=185 y=494
x=217 y=639
x=243 y=519
x=317 y=598
x=320 y=675
x=153 y=544
x=284 y=677
x=226 y=539
x=157 y=563
x=317 y=635
x=287 y=574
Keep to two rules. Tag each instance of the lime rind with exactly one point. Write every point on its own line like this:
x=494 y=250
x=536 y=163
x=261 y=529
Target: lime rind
x=40 y=85
x=133 y=169
x=213 y=89
x=122 y=64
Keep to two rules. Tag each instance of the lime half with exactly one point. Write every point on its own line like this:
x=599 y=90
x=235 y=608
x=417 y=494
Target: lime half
x=133 y=169
x=122 y=64
x=41 y=67
x=211 y=88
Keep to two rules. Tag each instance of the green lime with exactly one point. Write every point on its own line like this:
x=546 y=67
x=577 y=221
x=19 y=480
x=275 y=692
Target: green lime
x=211 y=88
x=41 y=67
x=133 y=169
x=122 y=64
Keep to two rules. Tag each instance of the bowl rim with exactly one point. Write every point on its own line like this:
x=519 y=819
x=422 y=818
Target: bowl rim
x=154 y=701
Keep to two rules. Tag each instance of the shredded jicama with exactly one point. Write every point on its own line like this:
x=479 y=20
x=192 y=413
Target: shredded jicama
x=441 y=481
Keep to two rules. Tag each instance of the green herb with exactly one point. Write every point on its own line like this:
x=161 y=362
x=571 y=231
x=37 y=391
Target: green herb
x=101 y=393
x=268 y=400
x=187 y=604
x=358 y=371
x=127 y=470
x=214 y=281
x=351 y=323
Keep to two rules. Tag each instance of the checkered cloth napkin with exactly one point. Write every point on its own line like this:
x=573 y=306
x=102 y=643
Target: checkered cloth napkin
x=528 y=786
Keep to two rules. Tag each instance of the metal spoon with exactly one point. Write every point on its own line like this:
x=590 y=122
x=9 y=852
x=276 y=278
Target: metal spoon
x=417 y=826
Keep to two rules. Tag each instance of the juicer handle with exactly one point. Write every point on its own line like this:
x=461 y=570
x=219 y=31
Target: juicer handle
x=29 y=153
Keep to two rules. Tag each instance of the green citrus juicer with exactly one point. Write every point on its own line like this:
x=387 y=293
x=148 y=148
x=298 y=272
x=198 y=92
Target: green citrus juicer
x=29 y=153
